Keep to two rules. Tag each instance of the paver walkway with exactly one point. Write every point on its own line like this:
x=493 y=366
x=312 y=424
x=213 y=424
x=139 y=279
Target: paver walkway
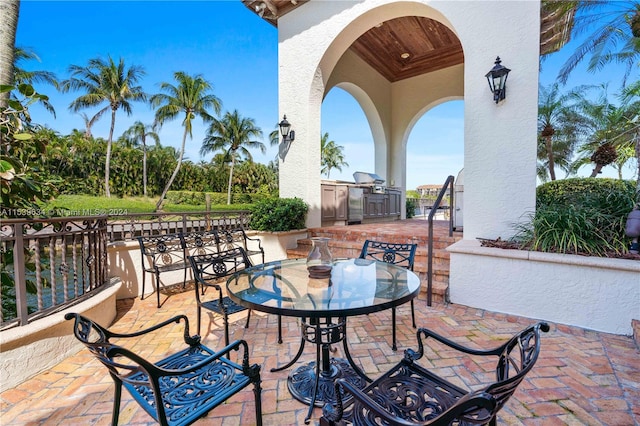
x=581 y=378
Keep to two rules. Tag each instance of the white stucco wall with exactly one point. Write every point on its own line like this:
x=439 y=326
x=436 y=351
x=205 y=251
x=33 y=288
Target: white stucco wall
x=596 y=293
x=500 y=140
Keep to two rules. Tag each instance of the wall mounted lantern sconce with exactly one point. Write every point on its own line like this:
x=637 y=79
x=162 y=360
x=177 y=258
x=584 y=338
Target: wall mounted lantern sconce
x=497 y=78
x=288 y=135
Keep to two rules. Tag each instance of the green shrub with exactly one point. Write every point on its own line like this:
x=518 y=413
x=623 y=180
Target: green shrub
x=279 y=214
x=580 y=215
x=411 y=206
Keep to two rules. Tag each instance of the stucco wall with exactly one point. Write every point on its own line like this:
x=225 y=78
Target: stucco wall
x=595 y=293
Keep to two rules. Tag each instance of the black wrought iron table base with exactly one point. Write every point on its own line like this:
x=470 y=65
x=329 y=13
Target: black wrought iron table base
x=302 y=381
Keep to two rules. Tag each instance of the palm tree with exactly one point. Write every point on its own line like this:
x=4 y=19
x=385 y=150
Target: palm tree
x=105 y=82
x=558 y=127
x=191 y=96
x=89 y=122
x=614 y=34
x=22 y=76
x=609 y=127
x=232 y=134
x=9 y=11
x=331 y=155
x=139 y=132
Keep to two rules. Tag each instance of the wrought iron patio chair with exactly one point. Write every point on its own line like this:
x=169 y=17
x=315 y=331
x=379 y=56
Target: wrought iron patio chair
x=207 y=270
x=409 y=394
x=396 y=254
x=179 y=389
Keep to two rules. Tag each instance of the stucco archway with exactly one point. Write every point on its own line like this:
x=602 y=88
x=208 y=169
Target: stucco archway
x=314 y=56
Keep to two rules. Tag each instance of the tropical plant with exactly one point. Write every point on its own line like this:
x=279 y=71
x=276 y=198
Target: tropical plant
x=105 y=82
x=579 y=216
x=22 y=76
x=612 y=31
x=232 y=134
x=22 y=182
x=332 y=156
x=138 y=133
x=558 y=128
x=608 y=127
x=191 y=97
x=89 y=122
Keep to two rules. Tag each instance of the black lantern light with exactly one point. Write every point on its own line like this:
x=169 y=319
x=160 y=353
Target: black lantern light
x=288 y=135
x=497 y=78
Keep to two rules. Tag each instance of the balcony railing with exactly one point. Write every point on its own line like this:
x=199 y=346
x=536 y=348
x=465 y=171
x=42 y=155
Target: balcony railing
x=50 y=264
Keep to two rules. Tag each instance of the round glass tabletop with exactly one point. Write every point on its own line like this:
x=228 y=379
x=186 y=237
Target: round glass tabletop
x=356 y=286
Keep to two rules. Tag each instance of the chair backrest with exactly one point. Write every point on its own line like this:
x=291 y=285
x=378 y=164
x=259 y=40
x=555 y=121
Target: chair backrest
x=217 y=265
x=163 y=250
x=395 y=253
x=516 y=359
x=96 y=339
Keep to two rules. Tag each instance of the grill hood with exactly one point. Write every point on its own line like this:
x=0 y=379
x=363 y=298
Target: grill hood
x=367 y=178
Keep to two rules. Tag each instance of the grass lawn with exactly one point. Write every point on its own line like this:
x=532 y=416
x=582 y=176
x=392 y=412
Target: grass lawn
x=87 y=205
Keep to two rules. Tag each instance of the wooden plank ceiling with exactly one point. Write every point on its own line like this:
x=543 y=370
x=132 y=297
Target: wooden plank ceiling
x=409 y=46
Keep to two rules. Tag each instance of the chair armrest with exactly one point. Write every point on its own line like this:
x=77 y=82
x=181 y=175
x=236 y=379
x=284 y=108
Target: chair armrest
x=188 y=339
x=469 y=404
x=157 y=371
x=412 y=355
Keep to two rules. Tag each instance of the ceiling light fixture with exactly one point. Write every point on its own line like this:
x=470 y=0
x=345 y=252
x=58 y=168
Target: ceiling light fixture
x=404 y=55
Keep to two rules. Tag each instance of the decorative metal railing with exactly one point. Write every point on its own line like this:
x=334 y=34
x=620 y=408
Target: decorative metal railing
x=50 y=264
x=46 y=264
x=124 y=227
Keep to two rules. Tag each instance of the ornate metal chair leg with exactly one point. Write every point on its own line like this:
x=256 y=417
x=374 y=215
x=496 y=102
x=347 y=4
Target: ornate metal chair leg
x=393 y=329
x=117 y=393
x=246 y=324
x=413 y=314
x=158 y=288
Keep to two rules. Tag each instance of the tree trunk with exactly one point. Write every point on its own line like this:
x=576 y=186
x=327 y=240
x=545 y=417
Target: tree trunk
x=144 y=166
x=174 y=174
x=233 y=162
x=9 y=11
x=596 y=170
x=107 y=161
x=552 y=166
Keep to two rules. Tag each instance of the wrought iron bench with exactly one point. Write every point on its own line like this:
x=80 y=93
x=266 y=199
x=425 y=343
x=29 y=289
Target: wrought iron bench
x=236 y=237
x=409 y=394
x=179 y=389
x=169 y=252
x=162 y=253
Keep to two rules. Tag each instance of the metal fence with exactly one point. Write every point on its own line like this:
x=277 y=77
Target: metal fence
x=50 y=264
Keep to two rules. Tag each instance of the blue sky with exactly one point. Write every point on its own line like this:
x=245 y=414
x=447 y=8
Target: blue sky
x=237 y=52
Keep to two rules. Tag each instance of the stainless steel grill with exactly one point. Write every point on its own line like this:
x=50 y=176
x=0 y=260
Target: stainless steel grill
x=375 y=182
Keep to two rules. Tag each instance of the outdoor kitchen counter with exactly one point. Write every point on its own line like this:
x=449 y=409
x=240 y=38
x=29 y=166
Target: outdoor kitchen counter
x=346 y=202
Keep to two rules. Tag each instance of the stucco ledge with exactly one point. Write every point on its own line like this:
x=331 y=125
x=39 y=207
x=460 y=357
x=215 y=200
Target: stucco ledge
x=31 y=349
x=475 y=248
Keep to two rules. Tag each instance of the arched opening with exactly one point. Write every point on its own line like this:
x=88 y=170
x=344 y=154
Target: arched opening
x=435 y=148
x=346 y=123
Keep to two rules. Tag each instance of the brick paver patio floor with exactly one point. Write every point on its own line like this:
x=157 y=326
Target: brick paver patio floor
x=581 y=378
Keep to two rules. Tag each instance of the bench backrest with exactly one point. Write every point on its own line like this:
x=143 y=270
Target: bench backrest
x=162 y=250
x=212 y=266
x=200 y=242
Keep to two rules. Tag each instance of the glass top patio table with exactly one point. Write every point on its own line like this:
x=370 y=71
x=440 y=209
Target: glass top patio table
x=356 y=287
